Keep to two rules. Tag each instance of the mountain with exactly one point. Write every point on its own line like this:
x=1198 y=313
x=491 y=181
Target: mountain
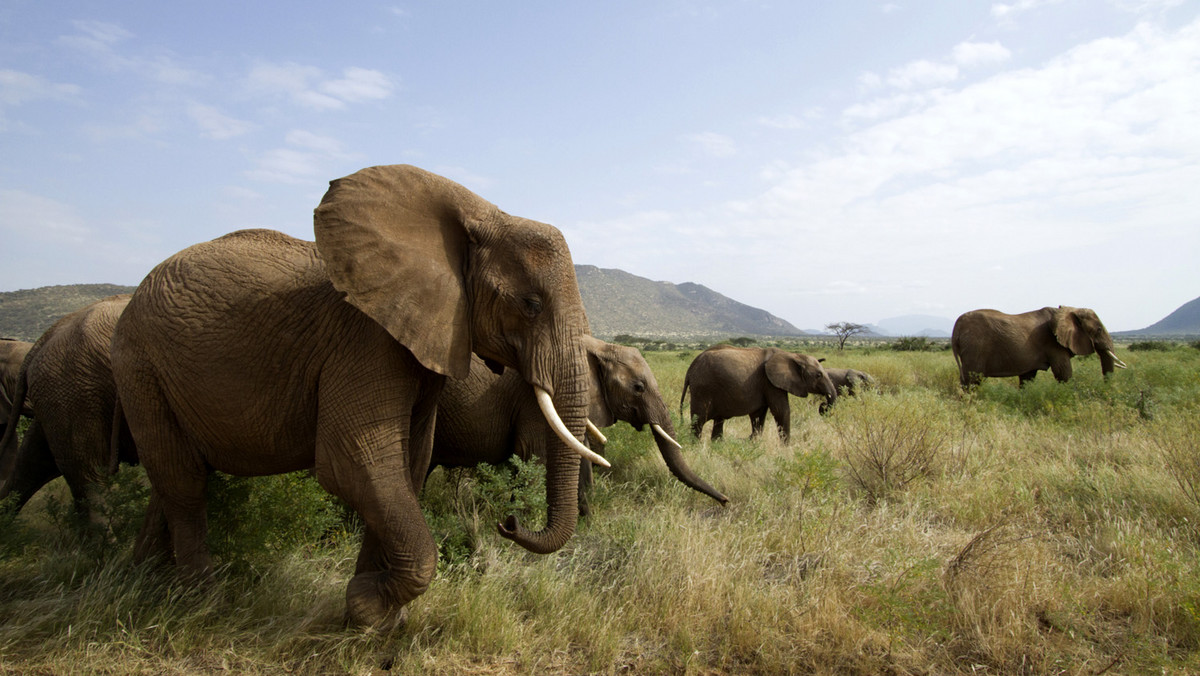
x=618 y=302
x=27 y=313
x=915 y=325
x=1184 y=321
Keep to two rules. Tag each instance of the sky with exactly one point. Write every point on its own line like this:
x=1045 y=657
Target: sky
x=824 y=161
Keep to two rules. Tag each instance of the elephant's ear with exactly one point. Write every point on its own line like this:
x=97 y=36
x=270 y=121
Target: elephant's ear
x=782 y=373
x=395 y=240
x=599 y=412
x=1069 y=333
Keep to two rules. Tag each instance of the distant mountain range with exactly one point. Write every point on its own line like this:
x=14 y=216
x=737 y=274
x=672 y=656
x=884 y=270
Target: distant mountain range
x=617 y=303
x=1183 y=322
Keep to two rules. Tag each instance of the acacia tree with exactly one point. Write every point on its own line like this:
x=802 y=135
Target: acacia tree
x=843 y=331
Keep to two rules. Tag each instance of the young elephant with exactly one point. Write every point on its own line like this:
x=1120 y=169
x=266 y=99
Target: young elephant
x=993 y=344
x=728 y=381
x=12 y=354
x=67 y=376
x=488 y=418
x=849 y=381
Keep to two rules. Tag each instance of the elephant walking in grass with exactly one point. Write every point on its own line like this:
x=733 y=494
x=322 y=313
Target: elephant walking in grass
x=67 y=377
x=849 y=381
x=728 y=382
x=257 y=353
x=488 y=418
x=12 y=354
x=993 y=344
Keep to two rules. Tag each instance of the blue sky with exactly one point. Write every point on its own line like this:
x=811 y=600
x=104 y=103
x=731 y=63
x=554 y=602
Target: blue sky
x=825 y=161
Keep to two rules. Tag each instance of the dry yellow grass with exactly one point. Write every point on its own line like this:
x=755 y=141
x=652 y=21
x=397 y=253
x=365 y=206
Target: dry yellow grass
x=1049 y=535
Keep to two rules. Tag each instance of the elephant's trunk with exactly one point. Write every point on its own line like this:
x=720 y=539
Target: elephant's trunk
x=831 y=395
x=562 y=473
x=664 y=436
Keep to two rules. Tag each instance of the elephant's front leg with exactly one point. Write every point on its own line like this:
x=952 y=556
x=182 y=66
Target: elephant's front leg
x=757 y=420
x=1026 y=377
x=782 y=412
x=718 y=429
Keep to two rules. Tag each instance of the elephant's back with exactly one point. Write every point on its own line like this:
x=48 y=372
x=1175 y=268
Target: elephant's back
x=75 y=350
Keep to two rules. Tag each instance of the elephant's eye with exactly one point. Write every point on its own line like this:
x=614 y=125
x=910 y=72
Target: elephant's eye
x=533 y=305
x=639 y=387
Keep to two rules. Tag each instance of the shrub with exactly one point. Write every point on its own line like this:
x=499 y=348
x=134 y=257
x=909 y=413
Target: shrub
x=916 y=344
x=1152 y=346
x=1179 y=446
x=886 y=450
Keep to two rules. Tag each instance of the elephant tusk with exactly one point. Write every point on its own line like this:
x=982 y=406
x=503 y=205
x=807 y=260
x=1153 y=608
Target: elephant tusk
x=595 y=433
x=1118 y=363
x=560 y=428
x=666 y=437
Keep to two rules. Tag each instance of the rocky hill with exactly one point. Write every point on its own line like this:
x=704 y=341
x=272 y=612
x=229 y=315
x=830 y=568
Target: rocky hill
x=1184 y=321
x=619 y=303
x=27 y=313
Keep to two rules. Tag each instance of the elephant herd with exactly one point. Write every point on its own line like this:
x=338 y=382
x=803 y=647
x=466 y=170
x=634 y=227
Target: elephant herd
x=423 y=327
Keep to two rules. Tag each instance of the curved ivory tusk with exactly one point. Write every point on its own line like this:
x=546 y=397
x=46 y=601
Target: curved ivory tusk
x=595 y=433
x=560 y=428
x=666 y=437
x=1119 y=364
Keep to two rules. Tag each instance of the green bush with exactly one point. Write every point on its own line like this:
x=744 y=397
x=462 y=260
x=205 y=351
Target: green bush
x=1152 y=346
x=916 y=344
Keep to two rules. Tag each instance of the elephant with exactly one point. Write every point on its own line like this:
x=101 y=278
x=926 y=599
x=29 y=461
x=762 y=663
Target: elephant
x=67 y=376
x=12 y=353
x=258 y=353
x=728 y=381
x=849 y=381
x=489 y=418
x=993 y=344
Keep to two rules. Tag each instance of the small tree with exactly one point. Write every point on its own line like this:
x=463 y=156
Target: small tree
x=843 y=331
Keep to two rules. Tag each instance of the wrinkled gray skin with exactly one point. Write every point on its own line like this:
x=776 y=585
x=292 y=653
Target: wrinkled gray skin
x=993 y=344
x=257 y=353
x=67 y=377
x=728 y=382
x=488 y=418
x=12 y=353
x=849 y=381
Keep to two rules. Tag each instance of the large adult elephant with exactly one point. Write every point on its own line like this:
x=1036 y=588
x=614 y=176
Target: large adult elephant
x=488 y=418
x=728 y=382
x=257 y=353
x=993 y=344
x=12 y=354
x=67 y=377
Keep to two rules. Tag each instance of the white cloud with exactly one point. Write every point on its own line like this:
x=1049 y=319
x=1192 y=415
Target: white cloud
x=714 y=144
x=308 y=86
x=215 y=124
x=922 y=74
x=307 y=158
x=980 y=53
x=23 y=213
x=17 y=88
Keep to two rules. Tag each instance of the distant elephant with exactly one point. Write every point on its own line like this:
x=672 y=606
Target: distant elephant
x=67 y=377
x=489 y=418
x=257 y=353
x=849 y=381
x=992 y=344
x=12 y=353
x=728 y=381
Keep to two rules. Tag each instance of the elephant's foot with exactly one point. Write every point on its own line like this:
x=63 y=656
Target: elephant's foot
x=367 y=606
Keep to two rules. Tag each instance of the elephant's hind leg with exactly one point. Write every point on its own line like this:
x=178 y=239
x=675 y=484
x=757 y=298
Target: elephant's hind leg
x=33 y=467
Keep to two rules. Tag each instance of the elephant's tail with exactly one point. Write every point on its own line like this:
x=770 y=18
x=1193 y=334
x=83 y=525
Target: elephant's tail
x=683 y=395
x=8 y=445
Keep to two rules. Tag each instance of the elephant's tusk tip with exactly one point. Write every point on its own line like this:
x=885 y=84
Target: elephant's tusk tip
x=1117 y=360
x=666 y=437
x=595 y=433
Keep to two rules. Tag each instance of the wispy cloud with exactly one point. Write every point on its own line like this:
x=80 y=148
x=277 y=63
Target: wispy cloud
x=714 y=144
x=17 y=88
x=310 y=87
x=216 y=125
x=307 y=157
x=101 y=43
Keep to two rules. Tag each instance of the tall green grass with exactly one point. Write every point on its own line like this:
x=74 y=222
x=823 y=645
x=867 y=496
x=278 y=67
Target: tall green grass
x=1046 y=529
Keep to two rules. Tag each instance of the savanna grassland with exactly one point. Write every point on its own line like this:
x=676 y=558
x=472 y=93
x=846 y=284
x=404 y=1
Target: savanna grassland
x=913 y=530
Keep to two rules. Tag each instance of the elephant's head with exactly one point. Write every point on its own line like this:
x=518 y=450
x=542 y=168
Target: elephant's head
x=800 y=375
x=1081 y=331
x=623 y=388
x=447 y=274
